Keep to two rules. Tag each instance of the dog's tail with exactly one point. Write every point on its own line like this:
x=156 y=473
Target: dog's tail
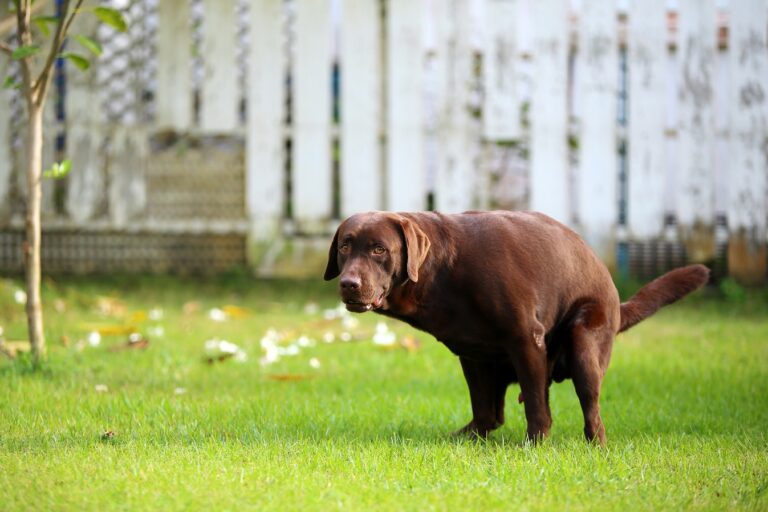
x=664 y=290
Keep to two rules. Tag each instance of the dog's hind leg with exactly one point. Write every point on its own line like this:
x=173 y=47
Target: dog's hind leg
x=588 y=358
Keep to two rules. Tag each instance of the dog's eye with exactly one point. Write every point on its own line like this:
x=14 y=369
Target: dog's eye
x=344 y=248
x=378 y=250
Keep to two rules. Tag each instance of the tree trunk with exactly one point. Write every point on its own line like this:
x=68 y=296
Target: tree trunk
x=32 y=245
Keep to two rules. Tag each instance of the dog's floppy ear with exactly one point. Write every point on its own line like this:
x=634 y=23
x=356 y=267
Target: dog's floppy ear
x=417 y=246
x=332 y=268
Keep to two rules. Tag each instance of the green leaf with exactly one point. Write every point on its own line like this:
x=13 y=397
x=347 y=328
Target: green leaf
x=42 y=23
x=58 y=170
x=89 y=44
x=111 y=17
x=78 y=60
x=10 y=83
x=22 y=52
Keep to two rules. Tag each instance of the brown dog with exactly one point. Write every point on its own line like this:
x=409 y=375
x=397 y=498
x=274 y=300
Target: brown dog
x=517 y=296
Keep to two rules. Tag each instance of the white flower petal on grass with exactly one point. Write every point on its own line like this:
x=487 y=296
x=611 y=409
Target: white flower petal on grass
x=350 y=322
x=20 y=296
x=311 y=308
x=345 y=336
x=94 y=338
x=314 y=363
x=271 y=355
x=100 y=388
x=157 y=331
x=225 y=347
x=383 y=335
x=329 y=337
x=290 y=350
x=135 y=337
x=155 y=314
x=179 y=391
x=306 y=341
x=241 y=356
x=217 y=315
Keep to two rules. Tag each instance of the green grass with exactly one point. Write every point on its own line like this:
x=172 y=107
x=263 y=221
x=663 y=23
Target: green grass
x=685 y=403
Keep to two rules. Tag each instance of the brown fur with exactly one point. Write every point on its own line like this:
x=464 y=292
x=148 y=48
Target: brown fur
x=517 y=296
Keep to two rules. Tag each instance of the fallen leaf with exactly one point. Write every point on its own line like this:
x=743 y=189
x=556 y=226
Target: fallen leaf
x=410 y=343
x=288 y=377
x=107 y=435
x=234 y=311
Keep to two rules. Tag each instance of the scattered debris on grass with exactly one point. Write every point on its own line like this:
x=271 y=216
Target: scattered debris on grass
x=11 y=349
x=107 y=435
x=220 y=350
x=288 y=377
x=100 y=388
x=135 y=342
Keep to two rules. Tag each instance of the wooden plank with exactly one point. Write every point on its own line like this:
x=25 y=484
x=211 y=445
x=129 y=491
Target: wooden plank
x=598 y=97
x=361 y=94
x=220 y=96
x=6 y=159
x=174 y=65
x=311 y=77
x=458 y=132
x=549 y=110
x=405 y=180
x=749 y=131
x=695 y=201
x=85 y=133
x=265 y=151
x=501 y=103
x=647 y=106
x=127 y=195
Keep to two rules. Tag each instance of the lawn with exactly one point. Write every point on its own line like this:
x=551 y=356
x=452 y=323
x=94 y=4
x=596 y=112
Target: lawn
x=313 y=425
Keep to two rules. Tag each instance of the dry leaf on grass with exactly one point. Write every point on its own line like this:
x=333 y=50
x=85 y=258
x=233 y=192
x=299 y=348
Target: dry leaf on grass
x=288 y=377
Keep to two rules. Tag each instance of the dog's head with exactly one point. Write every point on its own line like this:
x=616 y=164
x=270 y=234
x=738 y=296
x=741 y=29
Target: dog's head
x=374 y=253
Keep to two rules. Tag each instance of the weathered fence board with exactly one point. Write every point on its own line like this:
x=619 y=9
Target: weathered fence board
x=219 y=96
x=129 y=152
x=174 y=68
x=749 y=133
x=457 y=130
x=501 y=107
x=6 y=157
x=647 y=50
x=405 y=178
x=311 y=78
x=85 y=135
x=598 y=74
x=695 y=202
x=549 y=111
x=265 y=148
x=361 y=116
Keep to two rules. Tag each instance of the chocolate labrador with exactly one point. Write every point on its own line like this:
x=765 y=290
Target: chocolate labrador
x=517 y=296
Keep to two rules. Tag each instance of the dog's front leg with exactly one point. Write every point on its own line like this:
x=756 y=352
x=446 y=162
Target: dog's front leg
x=487 y=388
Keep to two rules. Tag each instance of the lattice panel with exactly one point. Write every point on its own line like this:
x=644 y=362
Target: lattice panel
x=197 y=183
x=101 y=252
x=128 y=66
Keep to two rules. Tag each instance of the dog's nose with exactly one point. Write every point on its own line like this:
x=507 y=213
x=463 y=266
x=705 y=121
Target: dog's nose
x=350 y=283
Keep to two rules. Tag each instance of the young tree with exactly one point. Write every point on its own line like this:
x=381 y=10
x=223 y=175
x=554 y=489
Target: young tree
x=36 y=78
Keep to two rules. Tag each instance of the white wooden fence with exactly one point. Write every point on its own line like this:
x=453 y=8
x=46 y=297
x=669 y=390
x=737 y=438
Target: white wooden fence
x=632 y=121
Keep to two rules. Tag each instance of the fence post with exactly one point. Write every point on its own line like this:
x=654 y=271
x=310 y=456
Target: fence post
x=311 y=79
x=85 y=183
x=501 y=103
x=549 y=110
x=5 y=134
x=458 y=149
x=647 y=47
x=597 y=190
x=697 y=38
x=361 y=80
x=174 y=65
x=405 y=180
x=749 y=133
x=265 y=150
x=219 y=98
